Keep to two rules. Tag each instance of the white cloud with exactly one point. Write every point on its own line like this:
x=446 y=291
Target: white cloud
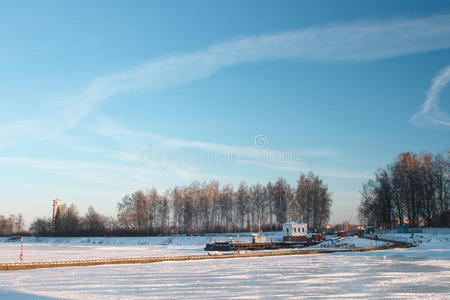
x=360 y=41
x=430 y=114
x=174 y=155
x=88 y=171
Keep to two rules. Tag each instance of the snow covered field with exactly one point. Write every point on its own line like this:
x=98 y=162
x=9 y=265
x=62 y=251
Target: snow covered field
x=420 y=272
x=57 y=249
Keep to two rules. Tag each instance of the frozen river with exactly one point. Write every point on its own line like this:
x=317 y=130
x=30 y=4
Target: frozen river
x=393 y=274
x=422 y=272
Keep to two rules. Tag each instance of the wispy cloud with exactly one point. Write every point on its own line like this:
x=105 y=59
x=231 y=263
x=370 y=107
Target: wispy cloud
x=119 y=174
x=359 y=41
x=178 y=151
x=430 y=114
x=87 y=171
x=174 y=155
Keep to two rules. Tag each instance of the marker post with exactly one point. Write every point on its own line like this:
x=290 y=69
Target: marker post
x=21 y=249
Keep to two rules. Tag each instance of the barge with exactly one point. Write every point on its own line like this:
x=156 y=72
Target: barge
x=295 y=235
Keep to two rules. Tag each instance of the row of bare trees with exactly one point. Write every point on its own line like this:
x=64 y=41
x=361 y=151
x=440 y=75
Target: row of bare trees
x=413 y=190
x=200 y=208
x=207 y=207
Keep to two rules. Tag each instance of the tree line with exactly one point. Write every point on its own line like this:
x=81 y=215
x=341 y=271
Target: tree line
x=207 y=207
x=68 y=222
x=13 y=224
x=202 y=208
x=413 y=190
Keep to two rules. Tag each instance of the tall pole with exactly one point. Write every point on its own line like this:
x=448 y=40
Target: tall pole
x=21 y=249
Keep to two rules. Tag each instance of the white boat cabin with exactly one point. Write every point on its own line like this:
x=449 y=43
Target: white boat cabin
x=294 y=229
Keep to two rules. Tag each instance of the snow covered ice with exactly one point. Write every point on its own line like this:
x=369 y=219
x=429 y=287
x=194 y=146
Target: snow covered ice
x=421 y=272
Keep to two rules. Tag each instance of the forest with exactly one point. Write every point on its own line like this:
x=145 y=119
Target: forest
x=413 y=190
x=200 y=208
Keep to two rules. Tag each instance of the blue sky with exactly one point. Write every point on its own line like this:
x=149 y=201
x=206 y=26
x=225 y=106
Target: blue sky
x=102 y=98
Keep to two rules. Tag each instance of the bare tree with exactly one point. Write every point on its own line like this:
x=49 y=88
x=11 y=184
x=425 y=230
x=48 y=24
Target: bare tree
x=41 y=226
x=242 y=198
x=270 y=203
x=281 y=196
x=258 y=193
x=94 y=223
